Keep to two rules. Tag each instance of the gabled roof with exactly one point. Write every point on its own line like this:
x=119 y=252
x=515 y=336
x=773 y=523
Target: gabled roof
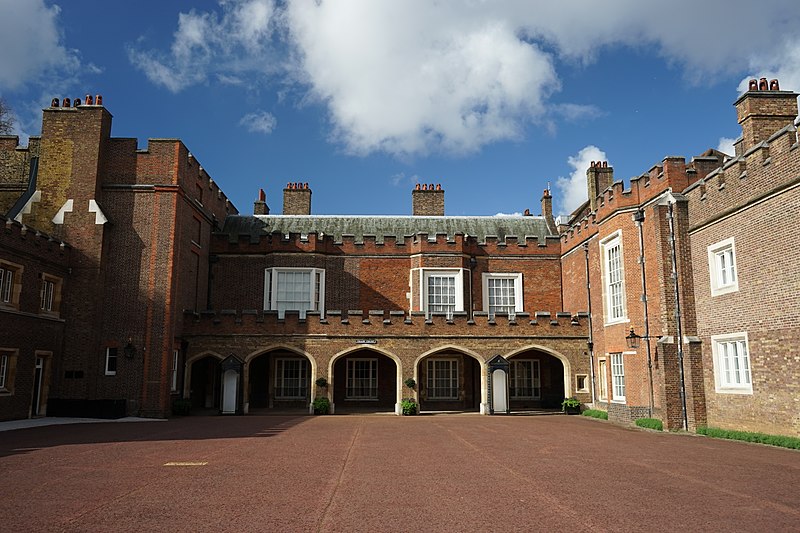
x=383 y=226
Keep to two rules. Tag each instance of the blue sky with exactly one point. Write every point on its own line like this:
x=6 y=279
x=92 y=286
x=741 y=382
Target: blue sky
x=362 y=99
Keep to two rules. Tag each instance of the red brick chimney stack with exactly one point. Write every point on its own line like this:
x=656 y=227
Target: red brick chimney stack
x=763 y=110
x=297 y=199
x=260 y=206
x=427 y=200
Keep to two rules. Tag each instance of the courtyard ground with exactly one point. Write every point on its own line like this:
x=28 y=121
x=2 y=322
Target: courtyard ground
x=388 y=473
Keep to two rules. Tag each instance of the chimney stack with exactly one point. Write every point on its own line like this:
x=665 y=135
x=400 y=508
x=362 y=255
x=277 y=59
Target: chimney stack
x=427 y=201
x=547 y=210
x=599 y=177
x=297 y=199
x=763 y=110
x=260 y=206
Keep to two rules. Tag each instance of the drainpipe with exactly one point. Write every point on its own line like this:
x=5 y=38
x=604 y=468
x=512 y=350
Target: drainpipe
x=590 y=341
x=670 y=214
x=638 y=217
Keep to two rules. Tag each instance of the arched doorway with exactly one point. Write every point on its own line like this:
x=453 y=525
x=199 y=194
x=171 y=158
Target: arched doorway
x=204 y=384
x=449 y=380
x=364 y=380
x=537 y=380
x=279 y=379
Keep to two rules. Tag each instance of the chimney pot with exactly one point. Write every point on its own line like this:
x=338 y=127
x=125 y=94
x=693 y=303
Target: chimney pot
x=773 y=85
x=417 y=187
x=66 y=103
x=54 y=102
x=76 y=102
x=438 y=186
x=89 y=99
x=262 y=196
x=98 y=99
x=762 y=84
x=753 y=85
x=527 y=212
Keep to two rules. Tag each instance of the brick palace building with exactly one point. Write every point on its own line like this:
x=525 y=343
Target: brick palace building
x=128 y=281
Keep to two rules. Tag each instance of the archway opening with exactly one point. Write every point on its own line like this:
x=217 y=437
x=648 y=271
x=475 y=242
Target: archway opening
x=449 y=381
x=364 y=381
x=536 y=381
x=279 y=380
x=204 y=391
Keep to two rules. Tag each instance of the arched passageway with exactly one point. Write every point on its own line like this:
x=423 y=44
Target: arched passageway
x=364 y=381
x=536 y=380
x=449 y=380
x=279 y=380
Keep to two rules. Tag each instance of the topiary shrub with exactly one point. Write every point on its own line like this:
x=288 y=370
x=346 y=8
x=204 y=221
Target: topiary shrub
x=321 y=405
x=650 y=423
x=408 y=406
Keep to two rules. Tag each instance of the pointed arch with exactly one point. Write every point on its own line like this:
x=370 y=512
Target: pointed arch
x=464 y=351
x=355 y=349
x=549 y=351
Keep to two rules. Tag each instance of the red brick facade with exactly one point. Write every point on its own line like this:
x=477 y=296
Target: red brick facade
x=197 y=302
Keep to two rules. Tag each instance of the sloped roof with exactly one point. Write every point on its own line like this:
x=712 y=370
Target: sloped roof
x=382 y=226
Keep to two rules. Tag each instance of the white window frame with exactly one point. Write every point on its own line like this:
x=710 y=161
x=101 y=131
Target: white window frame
x=535 y=380
x=724 y=279
x=280 y=378
x=602 y=379
x=174 y=379
x=518 y=296
x=372 y=379
x=47 y=294
x=109 y=357
x=617 y=377
x=736 y=377
x=5 y=362
x=316 y=293
x=453 y=378
x=614 y=312
x=458 y=276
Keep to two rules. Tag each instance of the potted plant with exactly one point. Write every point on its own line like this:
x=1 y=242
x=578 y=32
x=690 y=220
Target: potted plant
x=571 y=406
x=410 y=383
x=408 y=406
x=321 y=405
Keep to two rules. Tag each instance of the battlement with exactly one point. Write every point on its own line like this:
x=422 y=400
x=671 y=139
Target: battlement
x=19 y=237
x=377 y=323
x=420 y=242
x=759 y=172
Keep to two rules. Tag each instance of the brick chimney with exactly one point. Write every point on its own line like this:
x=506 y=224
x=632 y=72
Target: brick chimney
x=260 y=206
x=427 y=201
x=763 y=110
x=547 y=210
x=297 y=199
x=599 y=177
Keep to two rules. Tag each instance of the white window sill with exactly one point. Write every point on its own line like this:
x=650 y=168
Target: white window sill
x=624 y=320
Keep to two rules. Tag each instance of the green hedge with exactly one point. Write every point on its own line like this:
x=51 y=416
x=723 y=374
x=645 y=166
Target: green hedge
x=596 y=413
x=761 y=438
x=650 y=423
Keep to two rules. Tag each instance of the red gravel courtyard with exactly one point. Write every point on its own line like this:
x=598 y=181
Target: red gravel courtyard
x=387 y=473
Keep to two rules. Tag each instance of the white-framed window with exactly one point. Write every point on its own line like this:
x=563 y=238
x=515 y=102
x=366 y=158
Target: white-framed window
x=722 y=267
x=617 y=377
x=613 y=279
x=443 y=379
x=111 y=361
x=602 y=380
x=524 y=379
x=174 y=380
x=4 y=364
x=47 y=292
x=10 y=277
x=294 y=289
x=291 y=378
x=581 y=383
x=502 y=293
x=442 y=291
x=362 y=379
x=732 y=363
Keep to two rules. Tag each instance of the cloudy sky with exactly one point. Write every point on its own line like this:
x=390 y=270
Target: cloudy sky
x=364 y=98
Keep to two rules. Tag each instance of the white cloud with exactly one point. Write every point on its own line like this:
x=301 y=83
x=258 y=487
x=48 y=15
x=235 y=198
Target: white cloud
x=417 y=76
x=726 y=146
x=259 y=122
x=400 y=178
x=515 y=214
x=572 y=190
x=31 y=41
x=238 y=41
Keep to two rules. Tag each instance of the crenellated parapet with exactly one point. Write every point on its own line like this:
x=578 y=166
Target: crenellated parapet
x=378 y=323
x=22 y=239
x=764 y=169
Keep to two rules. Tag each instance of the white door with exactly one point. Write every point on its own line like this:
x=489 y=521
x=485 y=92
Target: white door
x=230 y=382
x=499 y=391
